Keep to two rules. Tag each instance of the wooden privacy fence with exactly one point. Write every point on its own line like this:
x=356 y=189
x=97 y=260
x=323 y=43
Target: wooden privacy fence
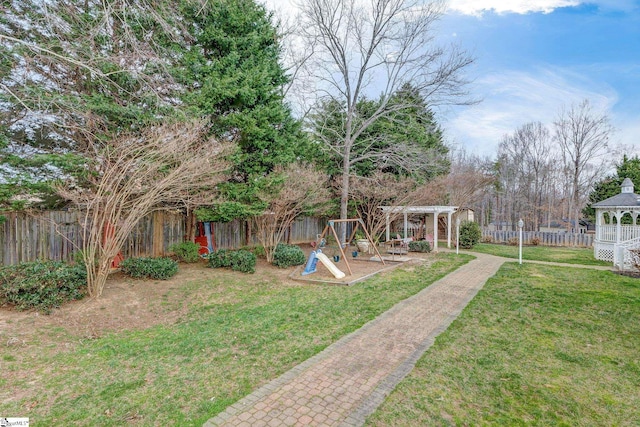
x=56 y=235
x=233 y=235
x=544 y=238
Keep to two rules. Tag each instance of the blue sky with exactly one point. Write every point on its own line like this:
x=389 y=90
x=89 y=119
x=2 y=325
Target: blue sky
x=534 y=57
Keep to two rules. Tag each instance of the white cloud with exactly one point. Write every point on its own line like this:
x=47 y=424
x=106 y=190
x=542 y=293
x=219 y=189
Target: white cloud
x=514 y=98
x=478 y=7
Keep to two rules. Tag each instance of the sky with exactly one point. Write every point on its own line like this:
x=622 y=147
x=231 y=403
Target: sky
x=536 y=57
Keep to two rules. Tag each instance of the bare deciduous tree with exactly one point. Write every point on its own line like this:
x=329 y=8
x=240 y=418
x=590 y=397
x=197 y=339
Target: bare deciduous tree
x=528 y=151
x=464 y=186
x=374 y=50
x=380 y=189
x=134 y=175
x=295 y=189
x=583 y=135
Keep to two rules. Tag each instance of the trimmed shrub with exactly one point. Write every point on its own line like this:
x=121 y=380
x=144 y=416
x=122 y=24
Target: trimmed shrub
x=243 y=261
x=288 y=255
x=186 y=251
x=220 y=258
x=470 y=234
x=240 y=260
x=42 y=285
x=151 y=268
x=535 y=241
x=419 y=246
x=513 y=241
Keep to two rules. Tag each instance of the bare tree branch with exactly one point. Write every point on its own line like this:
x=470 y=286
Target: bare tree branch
x=583 y=136
x=296 y=189
x=134 y=175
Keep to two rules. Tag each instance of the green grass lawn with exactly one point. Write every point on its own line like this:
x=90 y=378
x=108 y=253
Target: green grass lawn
x=539 y=345
x=542 y=253
x=236 y=337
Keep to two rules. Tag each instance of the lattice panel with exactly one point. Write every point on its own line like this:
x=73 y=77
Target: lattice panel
x=605 y=254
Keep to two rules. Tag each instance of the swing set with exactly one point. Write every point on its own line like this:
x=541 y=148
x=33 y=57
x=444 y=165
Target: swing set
x=330 y=227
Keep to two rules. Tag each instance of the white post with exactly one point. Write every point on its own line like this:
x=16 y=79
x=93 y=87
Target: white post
x=388 y=226
x=405 y=225
x=520 y=225
x=449 y=230
x=435 y=231
x=457 y=235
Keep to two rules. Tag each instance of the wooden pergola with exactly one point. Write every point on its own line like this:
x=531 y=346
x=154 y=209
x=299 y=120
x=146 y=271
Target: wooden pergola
x=436 y=211
x=617 y=226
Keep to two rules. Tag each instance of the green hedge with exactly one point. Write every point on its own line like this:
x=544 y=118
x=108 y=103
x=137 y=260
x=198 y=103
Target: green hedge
x=470 y=234
x=240 y=260
x=41 y=285
x=151 y=268
x=288 y=255
x=186 y=251
x=419 y=246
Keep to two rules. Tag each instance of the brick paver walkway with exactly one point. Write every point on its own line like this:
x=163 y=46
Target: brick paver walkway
x=346 y=382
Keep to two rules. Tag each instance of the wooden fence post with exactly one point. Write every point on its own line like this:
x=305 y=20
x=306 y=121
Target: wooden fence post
x=158 y=233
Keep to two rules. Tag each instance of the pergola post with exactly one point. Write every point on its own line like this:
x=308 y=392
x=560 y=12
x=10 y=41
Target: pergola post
x=618 y=226
x=449 y=230
x=388 y=228
x=405 y=224
x=435 y=231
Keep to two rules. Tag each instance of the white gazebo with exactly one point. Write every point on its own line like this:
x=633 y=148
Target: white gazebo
x=613 y=238
x=436 y=211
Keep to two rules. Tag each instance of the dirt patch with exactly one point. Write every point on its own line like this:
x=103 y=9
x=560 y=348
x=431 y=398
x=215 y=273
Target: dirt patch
x=126 y=304
x=133 y=304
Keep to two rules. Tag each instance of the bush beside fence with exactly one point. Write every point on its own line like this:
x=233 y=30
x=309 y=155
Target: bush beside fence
x=582 y=240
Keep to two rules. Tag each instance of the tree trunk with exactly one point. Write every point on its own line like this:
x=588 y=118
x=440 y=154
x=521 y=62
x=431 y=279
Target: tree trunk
x=97 y=273
x=344 y=193
x=191 y=222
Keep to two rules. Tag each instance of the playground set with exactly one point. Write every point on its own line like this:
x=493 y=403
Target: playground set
x=321 y=243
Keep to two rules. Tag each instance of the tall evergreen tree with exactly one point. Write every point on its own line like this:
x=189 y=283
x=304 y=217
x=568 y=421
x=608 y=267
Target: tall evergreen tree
x=88 y=70
x=232 y=75
x=72 y=74
x=610 y=186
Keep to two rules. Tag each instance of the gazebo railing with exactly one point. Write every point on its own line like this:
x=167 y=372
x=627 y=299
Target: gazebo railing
x=608 y=233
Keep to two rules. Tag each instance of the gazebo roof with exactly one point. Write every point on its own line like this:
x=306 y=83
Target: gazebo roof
x=626 y=198
x=619 y=200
